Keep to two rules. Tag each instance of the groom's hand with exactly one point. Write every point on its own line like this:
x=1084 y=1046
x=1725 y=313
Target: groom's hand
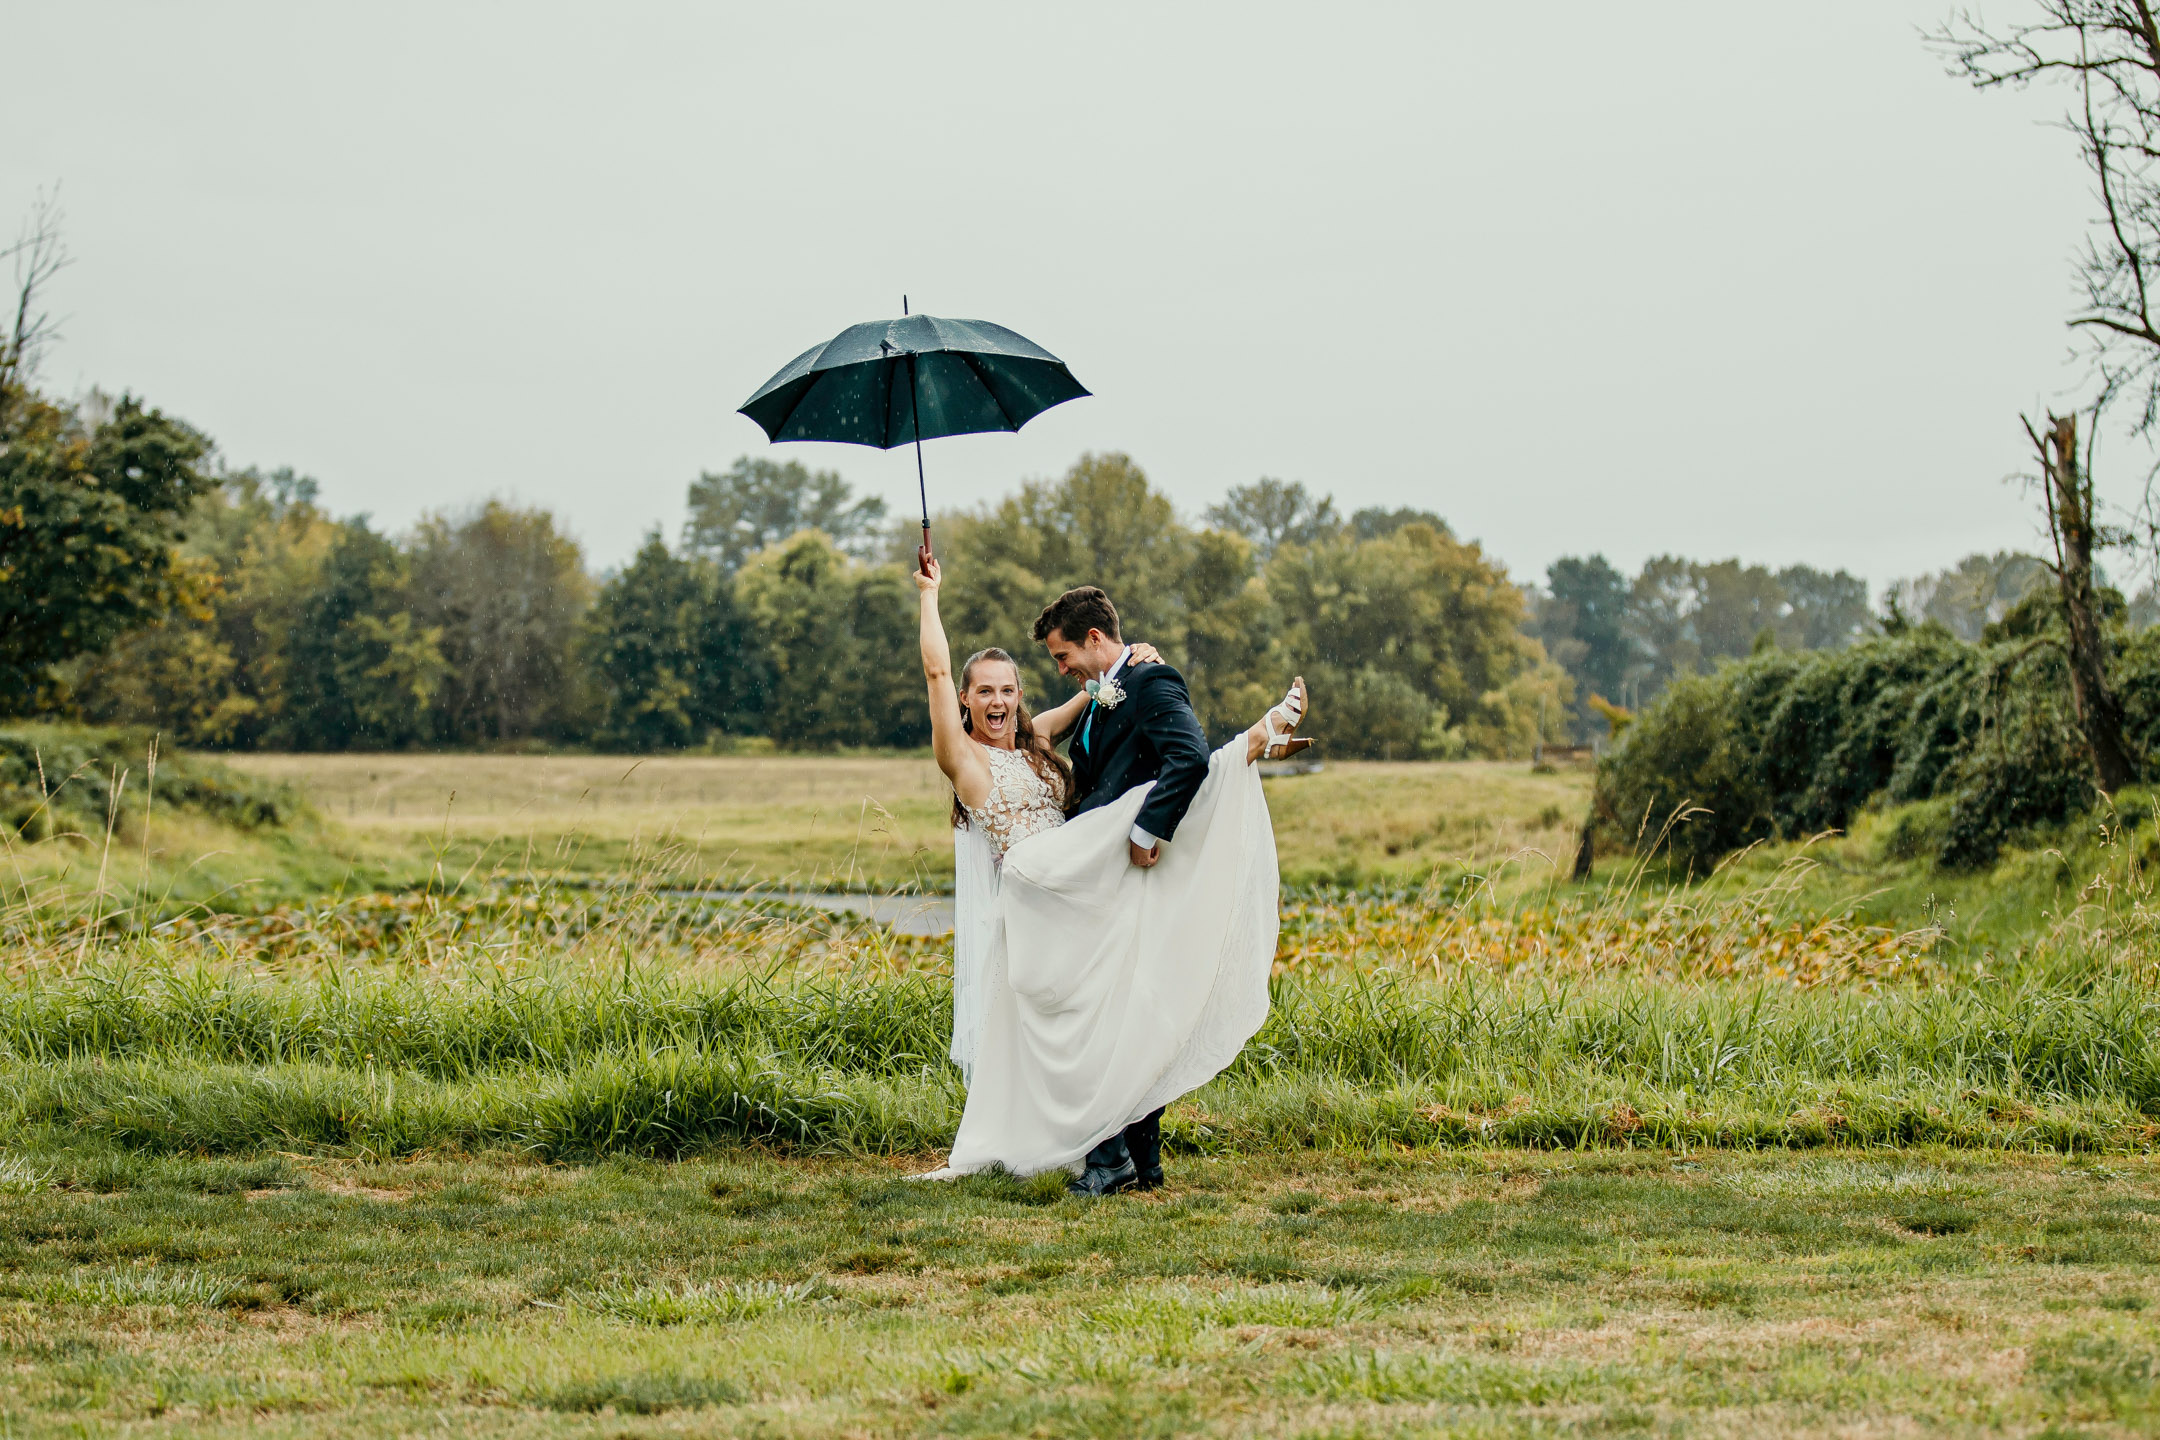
x=1144 y=858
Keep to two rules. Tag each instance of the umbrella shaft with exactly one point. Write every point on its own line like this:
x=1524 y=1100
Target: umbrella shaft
x=922 y=486
x=915 y=423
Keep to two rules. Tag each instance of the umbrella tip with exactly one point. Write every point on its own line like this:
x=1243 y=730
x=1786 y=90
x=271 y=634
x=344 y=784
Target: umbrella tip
x=903 y=305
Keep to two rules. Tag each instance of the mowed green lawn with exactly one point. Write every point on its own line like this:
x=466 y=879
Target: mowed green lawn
x=868 y=822
x=1494 y=1292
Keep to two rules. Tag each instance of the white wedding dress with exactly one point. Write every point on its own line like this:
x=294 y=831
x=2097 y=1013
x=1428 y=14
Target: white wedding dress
x=1087 y=991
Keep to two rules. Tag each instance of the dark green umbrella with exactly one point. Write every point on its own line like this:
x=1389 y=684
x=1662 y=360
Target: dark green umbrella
x=892 y=382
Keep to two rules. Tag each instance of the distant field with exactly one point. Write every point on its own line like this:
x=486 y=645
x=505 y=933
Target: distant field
x=877 y=821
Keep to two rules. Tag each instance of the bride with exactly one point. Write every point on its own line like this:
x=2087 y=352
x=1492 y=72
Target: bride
x=1088 y=992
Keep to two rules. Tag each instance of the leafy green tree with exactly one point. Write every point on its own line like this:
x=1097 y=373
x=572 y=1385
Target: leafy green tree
x=1662 y=600
x=1411 y=639
x=1378 y=523
x=1686 y=616
x=1823 y=611
x=756 y=503
x=1436 y=614
x=91 y=514
x=211 y=673
x=507 y=592
x=1972 y=594
x=1734 y=604
x=1380 y=715
x=1102 y=524
x=174 y=676
x=644 y=653
x=357 y=670
x=668 y=654
x=734 y=677
x=1582 y=622
x=1231 y=654
x=1270 y=514
x=836 y=637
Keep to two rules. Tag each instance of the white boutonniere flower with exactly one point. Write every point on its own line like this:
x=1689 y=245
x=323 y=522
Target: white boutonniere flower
x=1106 y=693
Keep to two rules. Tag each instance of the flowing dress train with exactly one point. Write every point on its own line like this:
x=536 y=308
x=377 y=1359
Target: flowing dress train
x=1099 y=990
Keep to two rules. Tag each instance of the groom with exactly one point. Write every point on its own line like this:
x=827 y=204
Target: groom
x=1139 y=726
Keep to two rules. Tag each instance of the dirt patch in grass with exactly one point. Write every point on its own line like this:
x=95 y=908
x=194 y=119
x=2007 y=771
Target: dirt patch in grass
x=356 y=1190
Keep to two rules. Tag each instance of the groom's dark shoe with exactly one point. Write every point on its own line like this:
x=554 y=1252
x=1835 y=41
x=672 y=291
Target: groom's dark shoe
x=1109 y=1170
x=1143 y=1139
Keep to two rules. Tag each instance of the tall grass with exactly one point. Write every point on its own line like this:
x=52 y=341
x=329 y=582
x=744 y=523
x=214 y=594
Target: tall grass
x=581 y=1063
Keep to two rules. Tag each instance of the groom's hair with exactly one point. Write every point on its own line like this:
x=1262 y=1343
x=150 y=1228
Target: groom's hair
x=1076 y=612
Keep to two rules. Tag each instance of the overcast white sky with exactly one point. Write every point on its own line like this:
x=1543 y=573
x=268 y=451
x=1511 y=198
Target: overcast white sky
x=1679 y=276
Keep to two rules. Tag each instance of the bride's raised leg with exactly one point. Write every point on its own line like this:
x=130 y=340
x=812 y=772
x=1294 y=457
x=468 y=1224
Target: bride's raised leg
x=1275 y=737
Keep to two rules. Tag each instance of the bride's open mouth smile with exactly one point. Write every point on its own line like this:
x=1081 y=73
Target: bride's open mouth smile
x=997 y=722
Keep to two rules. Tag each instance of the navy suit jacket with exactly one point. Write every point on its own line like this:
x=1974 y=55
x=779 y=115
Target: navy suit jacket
x=1152 y=734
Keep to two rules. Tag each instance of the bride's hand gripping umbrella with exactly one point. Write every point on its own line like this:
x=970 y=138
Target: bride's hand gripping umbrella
x=895 y=382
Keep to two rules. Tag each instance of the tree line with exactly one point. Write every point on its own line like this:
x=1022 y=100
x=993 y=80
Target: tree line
x=238 y=613
x=143 y=585
x=782 y=612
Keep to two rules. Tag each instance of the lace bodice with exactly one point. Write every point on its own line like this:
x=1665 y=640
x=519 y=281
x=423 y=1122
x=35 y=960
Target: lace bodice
x=1021 y=802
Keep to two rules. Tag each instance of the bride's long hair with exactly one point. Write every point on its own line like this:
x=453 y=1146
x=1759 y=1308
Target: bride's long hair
x=1055 y=770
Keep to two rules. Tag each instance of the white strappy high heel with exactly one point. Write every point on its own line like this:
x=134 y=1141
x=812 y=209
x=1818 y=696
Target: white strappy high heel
x=1281 y=725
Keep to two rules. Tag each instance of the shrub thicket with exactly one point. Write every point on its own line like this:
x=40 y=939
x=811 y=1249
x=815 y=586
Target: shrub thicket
x=57 y=779
x=1783 y=745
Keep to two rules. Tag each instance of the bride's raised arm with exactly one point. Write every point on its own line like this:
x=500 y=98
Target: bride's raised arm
x=957 y=755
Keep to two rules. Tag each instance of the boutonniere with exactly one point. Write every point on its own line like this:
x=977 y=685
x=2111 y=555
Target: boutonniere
x=1106 y=693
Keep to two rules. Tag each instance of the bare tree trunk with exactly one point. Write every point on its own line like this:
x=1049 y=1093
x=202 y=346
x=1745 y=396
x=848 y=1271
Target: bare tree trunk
x=2072 y=526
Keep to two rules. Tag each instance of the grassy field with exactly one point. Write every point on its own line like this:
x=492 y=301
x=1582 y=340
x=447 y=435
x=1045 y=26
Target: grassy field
x=1483 y=1292
x=867 y=822
x=512 y=1176
x=1831 y=1143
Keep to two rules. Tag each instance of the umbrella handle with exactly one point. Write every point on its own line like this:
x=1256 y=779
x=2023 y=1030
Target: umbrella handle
x=923 y=557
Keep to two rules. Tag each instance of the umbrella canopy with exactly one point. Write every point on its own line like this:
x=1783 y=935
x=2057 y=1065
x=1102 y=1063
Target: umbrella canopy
x=919 y=377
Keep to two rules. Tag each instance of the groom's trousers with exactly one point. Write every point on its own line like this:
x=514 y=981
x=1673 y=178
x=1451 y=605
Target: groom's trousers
x=1141 y=1142
x=1143 y=1138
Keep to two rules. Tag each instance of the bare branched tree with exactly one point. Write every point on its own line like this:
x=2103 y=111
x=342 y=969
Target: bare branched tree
x=2066 y=475
x=2107 y=52
x=39 y=253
